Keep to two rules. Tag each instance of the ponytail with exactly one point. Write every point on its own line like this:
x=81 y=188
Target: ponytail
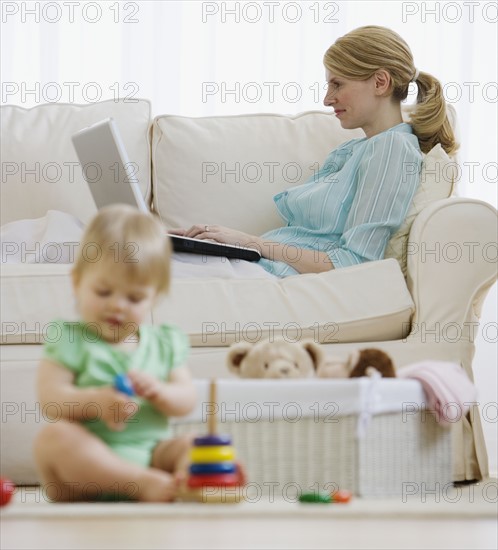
x=429 y=120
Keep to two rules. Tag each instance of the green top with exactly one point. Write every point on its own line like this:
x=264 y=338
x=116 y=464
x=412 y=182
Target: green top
x=96 y=363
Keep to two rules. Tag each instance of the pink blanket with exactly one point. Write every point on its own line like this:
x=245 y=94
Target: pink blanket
x=449 y=391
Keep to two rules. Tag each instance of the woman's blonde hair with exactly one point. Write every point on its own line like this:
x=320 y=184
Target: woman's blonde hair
x=135 y=243
x=363 y=51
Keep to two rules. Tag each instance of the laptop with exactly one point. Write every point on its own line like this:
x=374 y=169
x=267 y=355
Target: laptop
x=112 y=179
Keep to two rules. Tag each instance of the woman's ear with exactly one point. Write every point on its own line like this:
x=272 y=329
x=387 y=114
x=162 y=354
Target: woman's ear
x=382 y=80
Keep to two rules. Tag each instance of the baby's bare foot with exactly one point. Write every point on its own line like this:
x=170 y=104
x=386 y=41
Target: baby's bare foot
x=157 y=486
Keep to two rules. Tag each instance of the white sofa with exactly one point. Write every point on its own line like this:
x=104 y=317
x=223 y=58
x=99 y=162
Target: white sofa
x=225 y=170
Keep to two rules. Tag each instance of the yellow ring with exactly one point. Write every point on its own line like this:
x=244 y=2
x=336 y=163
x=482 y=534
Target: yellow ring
x=219 y=453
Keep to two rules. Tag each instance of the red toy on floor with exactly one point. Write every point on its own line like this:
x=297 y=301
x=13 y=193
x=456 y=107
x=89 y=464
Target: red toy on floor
x=7 y=488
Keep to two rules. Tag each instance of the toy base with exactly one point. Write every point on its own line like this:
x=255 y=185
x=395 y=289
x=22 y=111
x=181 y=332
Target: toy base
x=212 y=495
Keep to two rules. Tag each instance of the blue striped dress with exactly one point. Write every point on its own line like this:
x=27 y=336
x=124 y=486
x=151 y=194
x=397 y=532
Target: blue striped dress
x=353 y=205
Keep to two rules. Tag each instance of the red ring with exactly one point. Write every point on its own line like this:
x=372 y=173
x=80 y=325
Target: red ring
x=214 y=480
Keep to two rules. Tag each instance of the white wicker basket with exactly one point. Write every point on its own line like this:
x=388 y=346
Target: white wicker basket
x=284 y=457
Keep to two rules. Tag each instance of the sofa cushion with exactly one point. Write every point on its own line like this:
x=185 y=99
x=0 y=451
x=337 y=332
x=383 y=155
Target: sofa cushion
x=437 y=180
x=40 y=170
x=336 y=306
x=367 y=302
x=225 y=170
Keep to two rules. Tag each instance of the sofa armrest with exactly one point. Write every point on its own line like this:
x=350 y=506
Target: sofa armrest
x=451 y=260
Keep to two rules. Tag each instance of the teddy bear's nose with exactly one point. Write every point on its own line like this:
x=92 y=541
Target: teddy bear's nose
x=284 y=370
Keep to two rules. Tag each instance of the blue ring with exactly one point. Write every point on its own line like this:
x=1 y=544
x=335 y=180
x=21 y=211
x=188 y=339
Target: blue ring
x=212 y=440
x=213 y=468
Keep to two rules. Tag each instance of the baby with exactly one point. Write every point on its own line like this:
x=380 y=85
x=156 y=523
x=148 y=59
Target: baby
x=102 y=443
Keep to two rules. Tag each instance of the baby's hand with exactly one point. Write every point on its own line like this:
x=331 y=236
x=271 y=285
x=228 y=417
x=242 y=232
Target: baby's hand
x=145 y=385
x=116 y=408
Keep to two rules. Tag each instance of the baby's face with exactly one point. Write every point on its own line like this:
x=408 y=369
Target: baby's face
x=113 y=306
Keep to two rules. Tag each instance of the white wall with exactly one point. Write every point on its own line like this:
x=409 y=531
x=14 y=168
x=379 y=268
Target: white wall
x=184 y=56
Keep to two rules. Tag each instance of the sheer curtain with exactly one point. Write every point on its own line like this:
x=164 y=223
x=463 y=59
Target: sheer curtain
x=199 y=58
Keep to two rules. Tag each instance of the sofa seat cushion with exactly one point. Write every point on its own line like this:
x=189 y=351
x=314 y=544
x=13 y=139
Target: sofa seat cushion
x=368 y=302
x=40 y=170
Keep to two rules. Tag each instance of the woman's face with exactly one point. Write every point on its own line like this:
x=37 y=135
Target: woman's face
x=354 y=101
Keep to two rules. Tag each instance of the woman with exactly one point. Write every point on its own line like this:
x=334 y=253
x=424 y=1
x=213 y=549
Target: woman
x=348 y=211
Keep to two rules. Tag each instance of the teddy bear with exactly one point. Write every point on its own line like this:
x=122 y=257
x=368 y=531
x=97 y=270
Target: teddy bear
x=364 y=362
x=283 y=359
x=276 y=358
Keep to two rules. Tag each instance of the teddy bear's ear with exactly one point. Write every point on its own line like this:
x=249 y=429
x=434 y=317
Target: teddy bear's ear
x=315 y=352
x=236 y=354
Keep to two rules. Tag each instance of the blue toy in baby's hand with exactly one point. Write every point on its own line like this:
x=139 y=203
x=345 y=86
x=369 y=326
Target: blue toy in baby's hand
x=122 y=383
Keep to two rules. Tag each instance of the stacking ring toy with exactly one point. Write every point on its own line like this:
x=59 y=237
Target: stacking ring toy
x=214 y=476
x=212 y=454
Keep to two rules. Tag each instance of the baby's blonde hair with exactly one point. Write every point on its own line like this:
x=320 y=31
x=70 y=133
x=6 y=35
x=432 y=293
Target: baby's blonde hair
x=127 y=239
x=360 y=53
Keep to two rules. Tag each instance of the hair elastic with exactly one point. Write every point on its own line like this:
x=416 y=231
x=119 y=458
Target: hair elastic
x=415 y=76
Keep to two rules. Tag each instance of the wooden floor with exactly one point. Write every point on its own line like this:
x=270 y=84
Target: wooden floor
x=464 y=518
x=236 y=533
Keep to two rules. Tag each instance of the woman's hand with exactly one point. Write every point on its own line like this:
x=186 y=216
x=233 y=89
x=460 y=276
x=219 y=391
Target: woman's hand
x=302 y=260
x=219 y=234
